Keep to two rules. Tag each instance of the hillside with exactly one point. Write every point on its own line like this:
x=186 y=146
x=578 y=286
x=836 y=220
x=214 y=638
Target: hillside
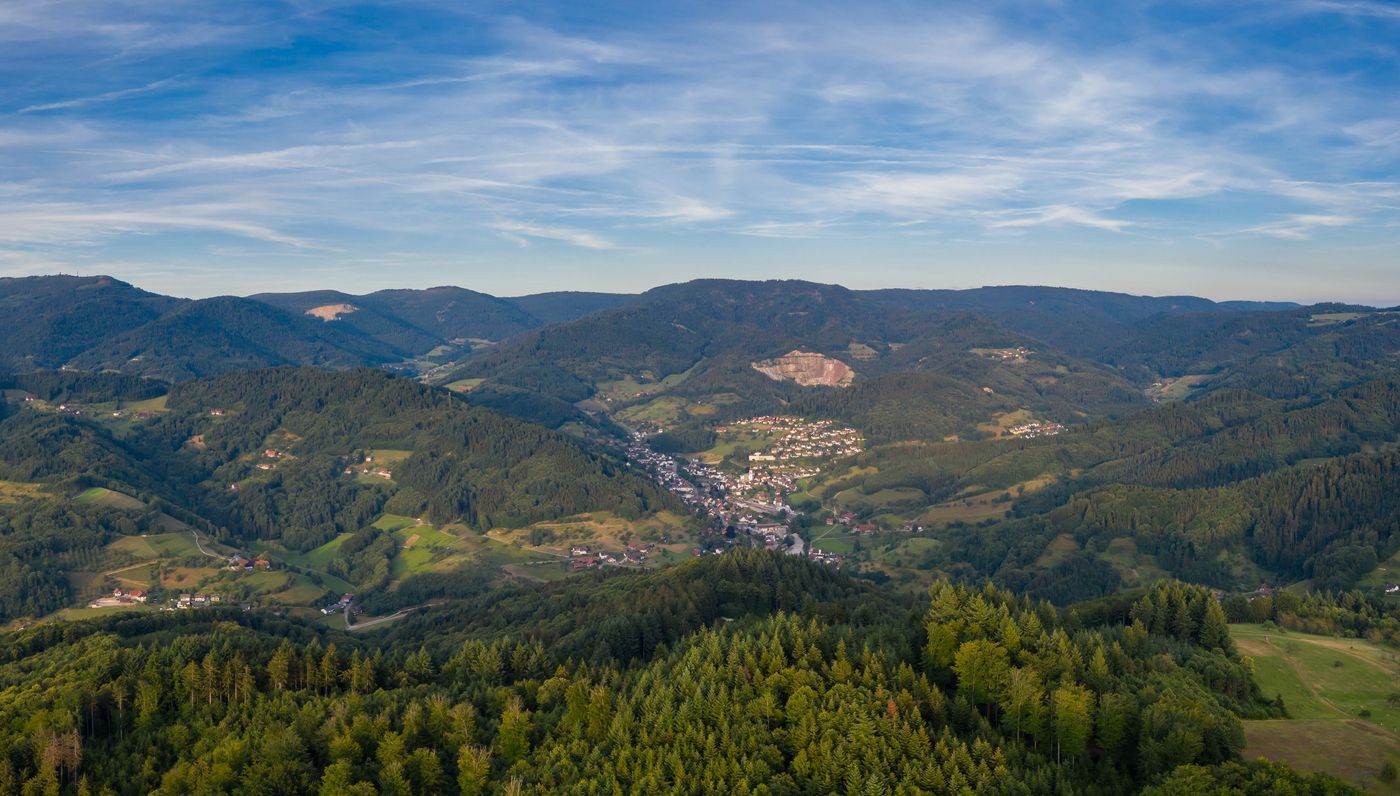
x=286 y=462
x=227 y=334
x=47 y=320
x=971 y=690
x=706 y=342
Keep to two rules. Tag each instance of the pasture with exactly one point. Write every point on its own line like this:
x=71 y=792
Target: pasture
x=14 y=491
x=1338 y=693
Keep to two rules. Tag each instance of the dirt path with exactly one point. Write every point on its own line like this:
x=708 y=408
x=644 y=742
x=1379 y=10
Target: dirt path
x=197 y=544
x=1307 y=682
x=366 y=625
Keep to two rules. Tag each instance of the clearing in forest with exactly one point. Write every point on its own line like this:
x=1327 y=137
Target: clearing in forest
x=1338 y=692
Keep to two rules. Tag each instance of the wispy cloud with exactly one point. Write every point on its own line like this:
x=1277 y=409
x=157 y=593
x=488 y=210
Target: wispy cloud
x=1057 y=215
x=107 y=96
x=1299 y=227
x=308 y=132
x=519 y=232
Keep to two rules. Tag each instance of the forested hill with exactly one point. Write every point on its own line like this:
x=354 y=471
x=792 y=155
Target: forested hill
x=292 y=456
x=96 y=323
x=102 y=323
x=461 y=463
x=968 y=691
x=699 y=342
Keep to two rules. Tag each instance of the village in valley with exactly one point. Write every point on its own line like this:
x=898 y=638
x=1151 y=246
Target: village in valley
x=741 y=487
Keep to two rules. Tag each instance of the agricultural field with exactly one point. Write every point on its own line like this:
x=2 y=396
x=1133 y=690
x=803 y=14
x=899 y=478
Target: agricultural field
x=1338 y=693
x=106 y=497
x=14 y=491
x=1175 y=389
x=160 y=545
x=603 y=530
x=667 y=410
x=628 y=388
x=1386 y=572
x=1138 y=569
x=973 y=506
x=1001 y=422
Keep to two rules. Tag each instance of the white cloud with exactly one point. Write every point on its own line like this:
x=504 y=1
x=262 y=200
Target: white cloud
x=1057 y=215
x=519 y=231
x=1299 y=227
x=108 y=96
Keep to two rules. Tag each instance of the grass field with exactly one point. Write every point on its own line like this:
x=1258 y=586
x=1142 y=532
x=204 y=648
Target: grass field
x=602 y=530
x=1388 y=571
x=1002 y=421
x=11 y=491
x=1326 y=683
x=628 y=388
x=106 y=497
x=841 y=545
x=1134 y=566
x=157 y=545
x=1178 y=390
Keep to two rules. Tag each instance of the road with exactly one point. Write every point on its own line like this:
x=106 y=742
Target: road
x=197 y=544
x=381 y=620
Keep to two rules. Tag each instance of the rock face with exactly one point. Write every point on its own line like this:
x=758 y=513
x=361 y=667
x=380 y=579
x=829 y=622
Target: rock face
x=808 y=370
x=331 y=312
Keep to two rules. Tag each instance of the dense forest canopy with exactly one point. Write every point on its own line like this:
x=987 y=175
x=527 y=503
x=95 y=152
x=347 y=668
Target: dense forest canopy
x=970 y=690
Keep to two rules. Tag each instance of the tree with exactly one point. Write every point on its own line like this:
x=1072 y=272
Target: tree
x=982 y=669
x=513 y=736
x=1022 y=702
x=1073 y=707
x=473 y=770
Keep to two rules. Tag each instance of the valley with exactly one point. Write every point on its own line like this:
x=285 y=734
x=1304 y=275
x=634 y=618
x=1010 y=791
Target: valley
x=718 y=453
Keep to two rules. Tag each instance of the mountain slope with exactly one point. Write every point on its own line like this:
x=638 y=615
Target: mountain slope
x=220 y=335
x=707 y=338
x=47 y=320
x=294 y=458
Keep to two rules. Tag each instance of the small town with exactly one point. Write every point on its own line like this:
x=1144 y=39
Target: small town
x=750 y=507
x=1033 y=430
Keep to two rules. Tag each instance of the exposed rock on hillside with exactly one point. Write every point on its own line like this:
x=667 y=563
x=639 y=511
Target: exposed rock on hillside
x=807 y=369
x=331 y=312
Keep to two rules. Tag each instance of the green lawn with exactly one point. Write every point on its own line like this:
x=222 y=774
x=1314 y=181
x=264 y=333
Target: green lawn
x=1325 y=683
x=106 y=497
x=843 y=544
x=179 y=544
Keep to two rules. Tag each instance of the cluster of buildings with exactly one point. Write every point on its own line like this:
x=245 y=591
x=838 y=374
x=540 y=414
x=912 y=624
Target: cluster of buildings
x=802 y=439
x=339 y=605
x=248 y=563
x=581 y=558
x=1019 y=352
x=749 y=507
x=1032 y=430
x=188 y=601
x=120 y=597
x=368 y=467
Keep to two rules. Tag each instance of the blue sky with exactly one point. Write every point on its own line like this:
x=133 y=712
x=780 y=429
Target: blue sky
x=1234 y=150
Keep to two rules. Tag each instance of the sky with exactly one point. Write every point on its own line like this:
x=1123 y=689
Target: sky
x=1233 y=149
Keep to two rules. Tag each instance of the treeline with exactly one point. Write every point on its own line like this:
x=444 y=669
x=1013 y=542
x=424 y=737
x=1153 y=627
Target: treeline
x=73 y=386
x=1352 y=614
x=989 y=693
